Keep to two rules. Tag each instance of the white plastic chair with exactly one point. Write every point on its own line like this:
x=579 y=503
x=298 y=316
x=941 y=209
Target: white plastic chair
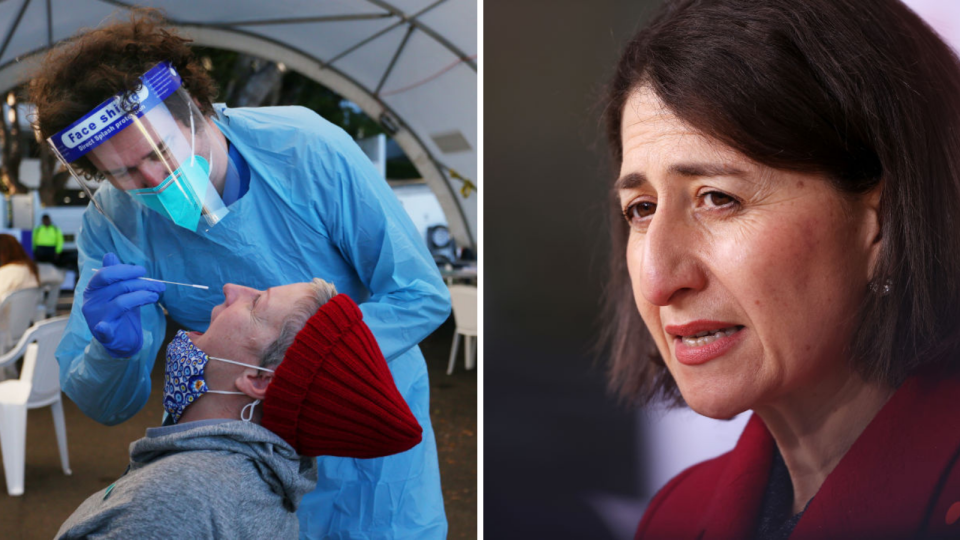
x=38 y=386
x=51 y=279
x=464 y=300
x=17 y=311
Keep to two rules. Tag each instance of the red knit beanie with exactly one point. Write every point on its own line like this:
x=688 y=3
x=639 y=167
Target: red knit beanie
x=333 y=394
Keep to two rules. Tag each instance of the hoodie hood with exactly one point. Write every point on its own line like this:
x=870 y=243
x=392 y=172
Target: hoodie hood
x=286 y=472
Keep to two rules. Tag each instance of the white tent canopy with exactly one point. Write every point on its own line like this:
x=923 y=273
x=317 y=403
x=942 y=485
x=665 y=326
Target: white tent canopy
x=409 y=63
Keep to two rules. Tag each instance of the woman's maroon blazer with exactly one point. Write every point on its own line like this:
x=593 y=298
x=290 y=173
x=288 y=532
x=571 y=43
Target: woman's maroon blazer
x=900 y=479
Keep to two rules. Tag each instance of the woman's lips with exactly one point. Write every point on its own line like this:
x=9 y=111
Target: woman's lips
x=696 y=355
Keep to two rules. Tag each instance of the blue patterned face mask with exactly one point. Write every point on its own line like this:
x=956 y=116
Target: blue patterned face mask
x=183 y=381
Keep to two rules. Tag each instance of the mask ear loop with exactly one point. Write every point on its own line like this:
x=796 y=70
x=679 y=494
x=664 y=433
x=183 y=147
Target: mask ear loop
x=234 y=362
x=243 y=412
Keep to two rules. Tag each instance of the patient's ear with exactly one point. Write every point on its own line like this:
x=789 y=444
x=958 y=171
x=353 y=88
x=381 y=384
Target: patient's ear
x=254 y=383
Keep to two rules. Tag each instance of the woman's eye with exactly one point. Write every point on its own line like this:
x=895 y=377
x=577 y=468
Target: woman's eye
x=718 y=199
x=637 y=212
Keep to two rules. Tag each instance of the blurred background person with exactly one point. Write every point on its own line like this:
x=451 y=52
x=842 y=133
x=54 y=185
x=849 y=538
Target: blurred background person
x=47 y=241
x=17 y=270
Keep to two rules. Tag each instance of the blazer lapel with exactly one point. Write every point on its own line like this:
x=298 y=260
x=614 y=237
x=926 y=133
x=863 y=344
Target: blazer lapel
x=885 y=485
x=734 y=509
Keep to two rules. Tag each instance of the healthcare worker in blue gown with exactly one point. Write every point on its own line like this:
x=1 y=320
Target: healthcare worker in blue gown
x=260 y=197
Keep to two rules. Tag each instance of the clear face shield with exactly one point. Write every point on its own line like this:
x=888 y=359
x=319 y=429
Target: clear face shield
x=155 y=146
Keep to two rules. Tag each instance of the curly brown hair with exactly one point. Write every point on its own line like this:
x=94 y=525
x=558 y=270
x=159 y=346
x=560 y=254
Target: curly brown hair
x=82 y=73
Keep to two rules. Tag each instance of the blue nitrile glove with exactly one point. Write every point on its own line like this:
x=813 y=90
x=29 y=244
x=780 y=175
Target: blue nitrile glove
x=111 y=305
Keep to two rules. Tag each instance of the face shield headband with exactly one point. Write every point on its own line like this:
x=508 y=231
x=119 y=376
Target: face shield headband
x=153 y=144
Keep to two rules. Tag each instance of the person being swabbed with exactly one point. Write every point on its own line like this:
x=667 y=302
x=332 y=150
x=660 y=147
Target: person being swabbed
x=227 y=469
x=183 y=190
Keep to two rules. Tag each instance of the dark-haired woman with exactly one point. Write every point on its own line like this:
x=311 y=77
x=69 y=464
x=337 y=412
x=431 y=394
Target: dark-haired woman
x=17 y=270
x=786 y=230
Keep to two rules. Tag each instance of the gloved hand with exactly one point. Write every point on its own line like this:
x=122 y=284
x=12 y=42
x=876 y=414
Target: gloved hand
x=111 y=305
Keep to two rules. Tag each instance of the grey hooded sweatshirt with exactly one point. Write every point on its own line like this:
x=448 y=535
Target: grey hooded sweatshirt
x=206 y=479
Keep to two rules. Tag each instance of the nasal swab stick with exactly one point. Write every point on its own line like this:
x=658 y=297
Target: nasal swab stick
x=170 y=282
x=175 y=283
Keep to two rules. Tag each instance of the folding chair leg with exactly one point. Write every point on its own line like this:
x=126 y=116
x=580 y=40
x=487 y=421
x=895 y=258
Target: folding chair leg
x=13 y=443
x=467 y=341
x=453 y=352
x=472 y=357
x=61 y=428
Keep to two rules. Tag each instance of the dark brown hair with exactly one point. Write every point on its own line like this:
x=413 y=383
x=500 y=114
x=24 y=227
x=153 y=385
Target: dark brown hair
x=11 y=252
x=859 y=93
x=85 y=71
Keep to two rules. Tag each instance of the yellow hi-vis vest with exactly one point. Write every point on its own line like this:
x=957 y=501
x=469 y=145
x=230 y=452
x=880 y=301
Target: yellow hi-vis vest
x=48 y=236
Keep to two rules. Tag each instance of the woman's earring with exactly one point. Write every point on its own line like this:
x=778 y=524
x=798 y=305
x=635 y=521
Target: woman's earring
x=884 y=290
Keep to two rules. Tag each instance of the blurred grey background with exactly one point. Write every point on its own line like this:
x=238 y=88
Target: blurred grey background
x=561 y=458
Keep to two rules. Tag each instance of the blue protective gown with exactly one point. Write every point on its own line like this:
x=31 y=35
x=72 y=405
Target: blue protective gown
x=316 y=207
